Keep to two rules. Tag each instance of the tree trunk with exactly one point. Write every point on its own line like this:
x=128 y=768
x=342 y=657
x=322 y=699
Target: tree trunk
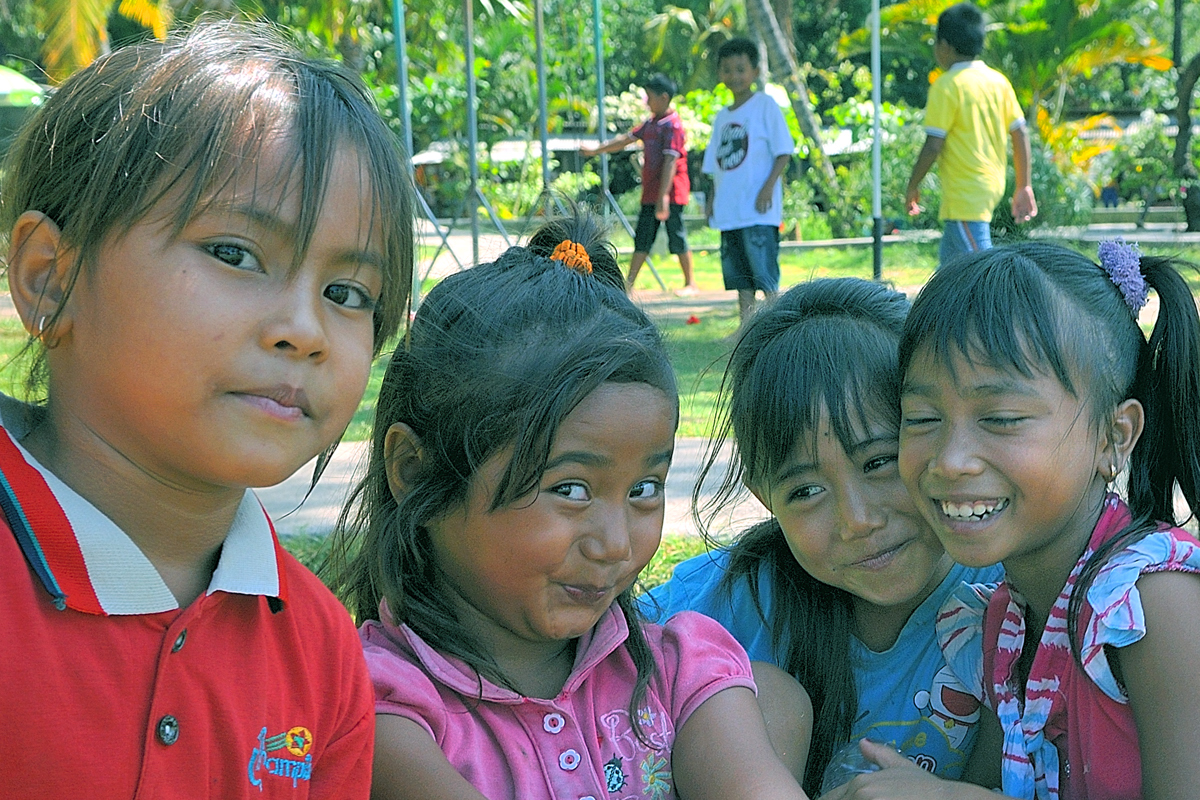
x=1185 y=170
x=762 y=19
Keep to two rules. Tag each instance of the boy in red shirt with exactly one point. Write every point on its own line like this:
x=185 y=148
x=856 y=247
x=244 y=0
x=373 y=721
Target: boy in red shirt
x=665 y=184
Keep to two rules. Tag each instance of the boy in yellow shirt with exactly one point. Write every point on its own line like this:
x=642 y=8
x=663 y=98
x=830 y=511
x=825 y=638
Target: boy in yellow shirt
x=971 y=110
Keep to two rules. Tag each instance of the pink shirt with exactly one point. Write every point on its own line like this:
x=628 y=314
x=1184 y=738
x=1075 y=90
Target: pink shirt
x=579 y=745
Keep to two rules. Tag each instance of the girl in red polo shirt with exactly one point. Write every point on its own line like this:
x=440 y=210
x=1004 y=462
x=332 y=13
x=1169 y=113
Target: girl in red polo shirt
x=211 y=238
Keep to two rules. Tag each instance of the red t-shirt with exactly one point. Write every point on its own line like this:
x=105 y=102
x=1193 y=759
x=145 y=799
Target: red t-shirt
x=258 y=689
x=661 y=136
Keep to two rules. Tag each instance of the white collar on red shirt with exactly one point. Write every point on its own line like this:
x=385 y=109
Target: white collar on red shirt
x=98 y=566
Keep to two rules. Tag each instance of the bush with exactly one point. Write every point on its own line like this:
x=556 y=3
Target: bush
x=849 y=213
x=1142 y=162
x=1064 y=199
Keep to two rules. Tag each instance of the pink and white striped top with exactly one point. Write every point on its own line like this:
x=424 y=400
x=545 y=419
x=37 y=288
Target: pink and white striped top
x=1071 y=732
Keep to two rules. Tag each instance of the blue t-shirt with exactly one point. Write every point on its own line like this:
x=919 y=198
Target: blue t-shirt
x=907 y=696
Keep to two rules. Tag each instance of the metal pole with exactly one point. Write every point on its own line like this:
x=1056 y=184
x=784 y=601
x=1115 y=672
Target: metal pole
x=543 y=134
x=601 y=124
x=876 y=146
x=400 y=34
x=472 y=132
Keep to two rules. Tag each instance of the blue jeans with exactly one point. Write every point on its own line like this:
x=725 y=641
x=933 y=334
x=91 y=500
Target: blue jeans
x=750 y=258
x=960 y=238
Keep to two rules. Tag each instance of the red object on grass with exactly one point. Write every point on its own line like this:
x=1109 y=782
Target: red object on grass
x=693 y=320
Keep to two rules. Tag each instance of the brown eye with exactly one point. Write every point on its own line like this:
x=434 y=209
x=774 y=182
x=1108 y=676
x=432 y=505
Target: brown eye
x=233 y=255
x=349 y=296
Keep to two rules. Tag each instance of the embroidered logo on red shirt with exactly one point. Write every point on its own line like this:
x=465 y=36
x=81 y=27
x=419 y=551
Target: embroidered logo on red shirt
x=296 y=741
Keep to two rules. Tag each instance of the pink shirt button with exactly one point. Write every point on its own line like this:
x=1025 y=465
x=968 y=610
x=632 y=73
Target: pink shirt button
x=553 y=722
x=569 y=760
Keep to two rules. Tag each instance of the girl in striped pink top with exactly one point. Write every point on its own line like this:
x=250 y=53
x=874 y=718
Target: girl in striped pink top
x=1028 y=388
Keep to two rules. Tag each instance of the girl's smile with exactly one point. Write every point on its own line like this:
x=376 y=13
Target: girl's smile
x=849 y=521
x=1005 y=466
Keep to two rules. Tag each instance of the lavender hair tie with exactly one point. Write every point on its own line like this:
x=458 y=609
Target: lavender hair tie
x=1123 y=263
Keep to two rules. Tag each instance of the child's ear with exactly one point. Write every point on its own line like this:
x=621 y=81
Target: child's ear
x=402 y=456
x=38 y=275
x=1127 y=424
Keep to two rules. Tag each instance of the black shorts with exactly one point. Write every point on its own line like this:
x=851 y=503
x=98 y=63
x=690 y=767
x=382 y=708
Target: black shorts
x=647 y=229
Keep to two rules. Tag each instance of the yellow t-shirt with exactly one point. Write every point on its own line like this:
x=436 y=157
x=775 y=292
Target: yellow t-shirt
x=972 y=107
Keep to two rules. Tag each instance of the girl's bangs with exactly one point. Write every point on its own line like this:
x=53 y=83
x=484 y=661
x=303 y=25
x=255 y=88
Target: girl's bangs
x=847 y=370
x=1004 y=314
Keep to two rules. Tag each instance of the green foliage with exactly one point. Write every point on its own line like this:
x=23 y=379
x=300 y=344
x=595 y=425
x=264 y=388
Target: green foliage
x=850 y=213
x=1142 y=161
x=683 y=40
x=1064 y=198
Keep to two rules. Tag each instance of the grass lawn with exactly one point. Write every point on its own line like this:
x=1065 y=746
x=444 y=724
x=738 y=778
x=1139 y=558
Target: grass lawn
x=904 y=265
x=698 y=351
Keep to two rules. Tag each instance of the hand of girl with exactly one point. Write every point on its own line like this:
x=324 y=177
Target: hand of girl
x=900 y=778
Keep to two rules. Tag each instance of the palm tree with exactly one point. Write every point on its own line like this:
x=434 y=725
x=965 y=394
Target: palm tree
x=684 y=44
x=77 y=32
x=1041 y=45
x=782 y=56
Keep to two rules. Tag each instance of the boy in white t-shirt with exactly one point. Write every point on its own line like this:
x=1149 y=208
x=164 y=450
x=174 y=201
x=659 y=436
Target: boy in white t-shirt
x=748 y=152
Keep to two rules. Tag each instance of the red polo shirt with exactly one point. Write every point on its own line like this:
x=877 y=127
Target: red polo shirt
x=108 y=689
x=663 y=136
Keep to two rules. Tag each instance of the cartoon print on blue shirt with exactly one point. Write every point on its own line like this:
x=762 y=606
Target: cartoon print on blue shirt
x=949 y=706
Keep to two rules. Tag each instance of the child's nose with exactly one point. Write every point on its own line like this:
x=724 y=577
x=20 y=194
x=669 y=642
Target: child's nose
x=296 y=324
x=954 y=454
x=860 y=515
x=610 y=539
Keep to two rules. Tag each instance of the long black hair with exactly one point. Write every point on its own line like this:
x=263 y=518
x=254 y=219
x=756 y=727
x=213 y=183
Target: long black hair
x=1038 y=306
x=826 y=344
x=496 y=358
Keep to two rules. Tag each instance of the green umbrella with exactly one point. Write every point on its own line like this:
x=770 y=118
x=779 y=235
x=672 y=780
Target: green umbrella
x=17 y=90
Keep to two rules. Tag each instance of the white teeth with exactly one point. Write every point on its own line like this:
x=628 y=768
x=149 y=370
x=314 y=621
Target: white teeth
x=975 y=511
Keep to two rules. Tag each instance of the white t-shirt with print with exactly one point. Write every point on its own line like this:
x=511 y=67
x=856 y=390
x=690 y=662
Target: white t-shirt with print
x=745 y=143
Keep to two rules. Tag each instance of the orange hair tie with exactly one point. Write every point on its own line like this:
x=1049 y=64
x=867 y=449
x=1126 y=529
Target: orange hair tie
x=573 y=256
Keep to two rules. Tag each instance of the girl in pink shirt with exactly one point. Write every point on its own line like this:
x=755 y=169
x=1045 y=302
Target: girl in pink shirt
x=515 y=491
x=1028 y=387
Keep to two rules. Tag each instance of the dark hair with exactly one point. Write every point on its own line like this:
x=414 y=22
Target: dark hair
x=660 y=84
x=828 y=343
x=188 y=115
x=738 y=46
x=496 y=358
x=962 y=27
x=1038 y=306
